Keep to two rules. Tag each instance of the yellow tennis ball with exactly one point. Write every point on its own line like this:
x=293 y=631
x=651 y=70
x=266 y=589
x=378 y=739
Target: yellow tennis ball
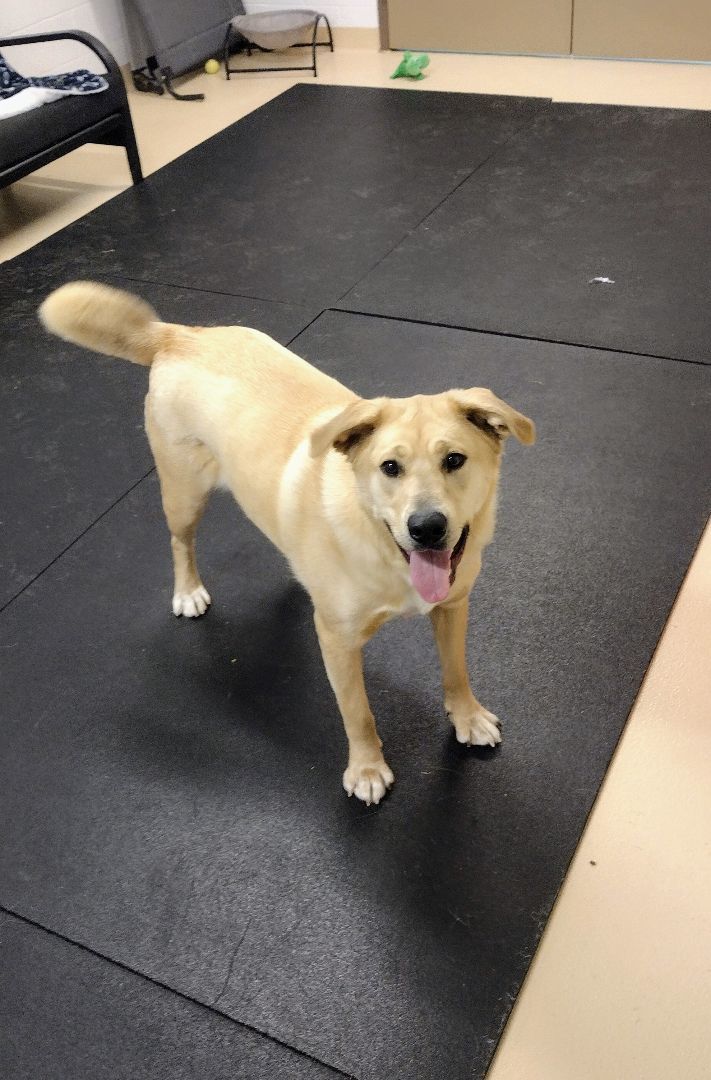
x=212 y=67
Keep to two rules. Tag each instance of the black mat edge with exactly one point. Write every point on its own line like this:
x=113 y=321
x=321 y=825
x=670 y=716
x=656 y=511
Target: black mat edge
x=72 y=542
x=169 y=989
x=343 y=310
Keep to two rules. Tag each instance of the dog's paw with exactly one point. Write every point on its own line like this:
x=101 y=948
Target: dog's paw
x=368 y=782
x=191 y=604
x=476 y=726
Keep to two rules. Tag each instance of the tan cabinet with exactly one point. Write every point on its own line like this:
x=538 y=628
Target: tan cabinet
x=645 y=29
x=513 y=26
x=636 y=29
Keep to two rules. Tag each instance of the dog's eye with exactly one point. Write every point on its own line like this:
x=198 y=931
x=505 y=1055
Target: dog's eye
x=390 y=468
x=452 y=462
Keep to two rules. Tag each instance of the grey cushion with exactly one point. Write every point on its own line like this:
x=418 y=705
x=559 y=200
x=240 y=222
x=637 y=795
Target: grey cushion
x=180 y=34
x=277 y=29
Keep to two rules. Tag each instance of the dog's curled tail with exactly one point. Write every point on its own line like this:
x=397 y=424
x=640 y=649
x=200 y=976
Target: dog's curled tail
x=106 y=320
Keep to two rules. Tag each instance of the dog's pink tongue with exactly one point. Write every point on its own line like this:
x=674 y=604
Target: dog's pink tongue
x=429 y=573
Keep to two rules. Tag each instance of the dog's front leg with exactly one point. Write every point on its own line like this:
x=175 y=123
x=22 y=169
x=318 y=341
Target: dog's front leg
x=367 y=776
x=473 y=723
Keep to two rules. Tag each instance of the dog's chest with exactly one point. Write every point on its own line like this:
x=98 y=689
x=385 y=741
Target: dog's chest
x=414 y=605
x=405 y=604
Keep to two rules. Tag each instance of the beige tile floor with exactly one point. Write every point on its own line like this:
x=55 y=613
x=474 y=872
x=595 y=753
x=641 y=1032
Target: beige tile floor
x=620 y=988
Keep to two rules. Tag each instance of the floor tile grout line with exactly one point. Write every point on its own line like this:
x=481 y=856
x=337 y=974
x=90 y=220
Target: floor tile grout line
x=76 y=539
x=516 y=337
x=514 y=134
x=170 y=989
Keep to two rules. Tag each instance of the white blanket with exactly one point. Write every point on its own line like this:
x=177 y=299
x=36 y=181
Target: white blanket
x=28 y=99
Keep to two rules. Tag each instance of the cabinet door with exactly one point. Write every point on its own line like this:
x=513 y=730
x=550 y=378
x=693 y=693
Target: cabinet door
x=646 y=29
x=505 y=26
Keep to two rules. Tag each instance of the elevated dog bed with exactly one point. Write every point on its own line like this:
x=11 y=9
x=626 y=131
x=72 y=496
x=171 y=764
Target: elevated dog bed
x=277 y=30
x=171 y=37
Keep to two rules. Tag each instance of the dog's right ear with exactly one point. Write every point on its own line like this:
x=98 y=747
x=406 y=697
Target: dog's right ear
x=348 y=428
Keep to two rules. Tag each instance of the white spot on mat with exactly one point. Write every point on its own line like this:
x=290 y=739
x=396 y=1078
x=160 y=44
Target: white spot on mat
x=601 y=281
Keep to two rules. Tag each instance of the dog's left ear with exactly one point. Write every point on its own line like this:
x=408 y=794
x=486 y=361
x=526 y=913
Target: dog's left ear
x=494 y=416
x=348 y=428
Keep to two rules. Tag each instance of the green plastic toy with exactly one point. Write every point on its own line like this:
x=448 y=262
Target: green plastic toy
x=410 y=67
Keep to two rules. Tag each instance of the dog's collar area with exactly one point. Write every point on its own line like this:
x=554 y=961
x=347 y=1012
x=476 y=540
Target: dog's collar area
x=455 y=558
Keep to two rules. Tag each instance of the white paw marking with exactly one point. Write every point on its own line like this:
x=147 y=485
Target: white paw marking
x=191 y=604
x=369 y=783
x=479 y=728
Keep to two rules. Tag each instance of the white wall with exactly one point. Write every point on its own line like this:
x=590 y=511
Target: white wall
x=339 y=12
x=104 y=19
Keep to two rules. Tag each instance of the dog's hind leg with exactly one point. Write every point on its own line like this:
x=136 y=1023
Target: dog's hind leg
x=187 y=472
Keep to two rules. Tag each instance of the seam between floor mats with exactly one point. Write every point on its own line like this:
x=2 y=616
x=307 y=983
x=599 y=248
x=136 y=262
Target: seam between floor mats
x=309 y=324
x=195 y=288
x=545 y=102
x=497 y=149
x=235 y=296
x=72 y=542
x=518 y=337
x=171 y=990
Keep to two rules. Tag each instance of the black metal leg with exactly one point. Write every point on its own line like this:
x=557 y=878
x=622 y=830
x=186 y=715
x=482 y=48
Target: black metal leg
x=134 y=161
x=226 y=51
x=330 y=32
x=313 y=44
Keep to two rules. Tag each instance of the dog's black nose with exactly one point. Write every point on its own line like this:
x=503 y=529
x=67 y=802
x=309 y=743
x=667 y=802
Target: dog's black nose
x=427 y=528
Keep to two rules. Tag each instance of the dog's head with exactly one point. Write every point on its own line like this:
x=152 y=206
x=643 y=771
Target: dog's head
x=425 y=467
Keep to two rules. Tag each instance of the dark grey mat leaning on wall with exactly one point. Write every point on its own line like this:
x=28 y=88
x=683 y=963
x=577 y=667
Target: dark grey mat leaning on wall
x=175 y=802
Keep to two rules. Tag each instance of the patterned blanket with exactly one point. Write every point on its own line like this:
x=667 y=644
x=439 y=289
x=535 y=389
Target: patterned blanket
x=18 y=94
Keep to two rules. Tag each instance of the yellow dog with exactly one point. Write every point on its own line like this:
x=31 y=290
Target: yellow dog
x=382 y=507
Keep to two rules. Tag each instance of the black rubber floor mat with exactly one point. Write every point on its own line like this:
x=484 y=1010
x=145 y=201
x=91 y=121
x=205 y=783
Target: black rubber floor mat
x=170 y=790
x=71 y=436
x=69 y=1014
x=590 y=227
x=297 y=201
